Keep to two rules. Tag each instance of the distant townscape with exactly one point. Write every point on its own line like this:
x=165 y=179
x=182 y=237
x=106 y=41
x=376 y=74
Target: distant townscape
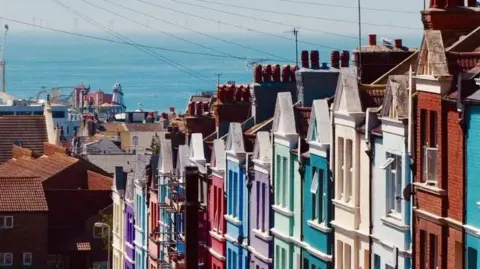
x=367 y=160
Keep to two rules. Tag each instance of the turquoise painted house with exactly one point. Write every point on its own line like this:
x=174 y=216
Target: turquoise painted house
x=286 y=205
x=237 y=200
x=472 y=187
x=317 y=191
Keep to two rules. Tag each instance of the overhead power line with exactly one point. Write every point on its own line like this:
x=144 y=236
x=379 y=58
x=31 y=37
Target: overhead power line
x=126 y=43
x=305 y=16
x=351 y=7
x=189 y=29
x=134 y=44
x=264 y=20
x=234 y=25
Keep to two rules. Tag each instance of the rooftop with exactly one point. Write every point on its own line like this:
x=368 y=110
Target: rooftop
x=22 y=194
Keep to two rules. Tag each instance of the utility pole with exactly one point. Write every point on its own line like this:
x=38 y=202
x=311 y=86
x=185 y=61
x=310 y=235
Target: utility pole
x=218 y=78
x=295 y=33
x=359 y=73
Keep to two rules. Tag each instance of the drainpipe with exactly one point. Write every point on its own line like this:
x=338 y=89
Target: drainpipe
x=301 y=171
x=331 y=165
x=370 y=154
x=249 y=192
x=411 y=149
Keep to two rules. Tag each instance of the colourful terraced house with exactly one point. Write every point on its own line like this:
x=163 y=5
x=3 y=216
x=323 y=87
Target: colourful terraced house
x=142 y=172
x=237 y=200
x=286 y=205
x=129 y=257
x=261 y=214
x=318 y=191
x=216 y=205
x=118 y=221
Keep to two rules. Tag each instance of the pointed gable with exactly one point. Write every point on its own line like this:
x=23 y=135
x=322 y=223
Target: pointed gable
x=319 y=125
x=347 y=96
x=284 y=118
x=263 y=148
x=141 y=163
x=395 y=104
x=433 y=61
x=165 y=161
x=197 y=152
x=235 y=143
x=218 y=155
x=182 y=159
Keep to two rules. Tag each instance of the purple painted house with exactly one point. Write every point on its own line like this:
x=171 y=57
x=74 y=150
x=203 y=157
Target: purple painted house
x=129 y=258
x=261 y=241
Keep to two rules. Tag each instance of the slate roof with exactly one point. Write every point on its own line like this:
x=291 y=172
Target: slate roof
x=395 y=104
x=19 y=194
x=108 y=162
x=31 y=131
x=103 y=146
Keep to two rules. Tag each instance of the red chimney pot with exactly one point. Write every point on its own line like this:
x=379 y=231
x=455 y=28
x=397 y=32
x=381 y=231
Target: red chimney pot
x=267 y=73
x=315 y=59
x=286 y=73
x=292 y=73
x=335 y=58
x=398 y=43
x=372 y=39
x=345 y=58
x=304 y=57
x=276 y=73
x=258 y=74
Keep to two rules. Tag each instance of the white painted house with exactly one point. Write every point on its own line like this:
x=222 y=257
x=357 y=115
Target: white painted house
x=391 y=173
x=351 y=175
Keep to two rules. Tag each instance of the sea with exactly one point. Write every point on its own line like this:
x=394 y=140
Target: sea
x=151 y=79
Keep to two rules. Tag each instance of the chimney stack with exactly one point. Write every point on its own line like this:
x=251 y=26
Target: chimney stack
x=267 y=73
x=276 y=73
x=304 y=59
x=335 y=58
x=286 y=73
x=315 y=59
x=372 y=40
x=345 y=58
x=398 y=43
x=257 y=75
x=172 y=109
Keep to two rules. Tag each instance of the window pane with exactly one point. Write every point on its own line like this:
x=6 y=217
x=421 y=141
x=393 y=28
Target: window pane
x=314 y=206
x=433 y=129
x=339 y=174
x=314 y=186
x=472 y=258
x=264 y=187
x=284 y=182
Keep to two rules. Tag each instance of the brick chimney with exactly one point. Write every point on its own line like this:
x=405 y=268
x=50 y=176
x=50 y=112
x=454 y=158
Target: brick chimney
x=315 y=59
x=304 y=59
x=345 y=59
x=372 y=40
x=398 y=43
x=335 y=58
x=445 y=15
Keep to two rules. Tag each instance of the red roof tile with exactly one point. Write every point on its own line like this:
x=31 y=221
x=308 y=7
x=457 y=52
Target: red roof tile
x=98 y=182
x=31 y=131
x=22 y=195
x=43 y=167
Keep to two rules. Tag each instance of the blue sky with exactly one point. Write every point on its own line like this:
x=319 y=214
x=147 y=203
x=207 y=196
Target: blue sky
x=46 y=12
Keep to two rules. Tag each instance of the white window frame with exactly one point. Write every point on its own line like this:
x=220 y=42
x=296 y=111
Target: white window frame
x=340 y=168
x=430 y=179
x=5 y=222
x=3 y=258
x=25 y=255
x=348 y=164
x=394 y=176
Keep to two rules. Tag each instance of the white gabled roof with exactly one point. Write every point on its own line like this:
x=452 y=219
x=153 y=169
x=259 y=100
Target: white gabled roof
x=218 y=155
x=347 y=96
x=165 y=161
x=197 y=152
x=235 y=143
x=182 y=159
x=284 y=118
x=263 y=148
x=319 y=125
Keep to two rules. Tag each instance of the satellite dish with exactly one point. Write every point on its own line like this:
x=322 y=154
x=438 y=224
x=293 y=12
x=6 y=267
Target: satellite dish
x=407 y=192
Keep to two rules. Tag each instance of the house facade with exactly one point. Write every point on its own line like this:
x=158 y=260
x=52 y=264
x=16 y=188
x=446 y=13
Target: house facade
x=118 y=221
x=216 y=207
x=261 y=214
x=285 y=236
x=391 y=212
x=318 y=190
x=237 y=200
x=351 y=199
x=141 y=179
x=472 y=220
x=129 y=217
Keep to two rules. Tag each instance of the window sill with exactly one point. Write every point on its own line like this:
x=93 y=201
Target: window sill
x=319 y=226
x=430 y=189
x=395 y=223
x=345 y=206
x=262 y=235
x=283 y=211
x=217 y=236
x=233 y=220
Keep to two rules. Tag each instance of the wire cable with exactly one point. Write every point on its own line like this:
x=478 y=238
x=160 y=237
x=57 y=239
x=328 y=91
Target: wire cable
x=234 y=25
x=264 y=20
x=198 y=32
x=351 y=7
x=124 y=43
x=306 y=16
x=134 y=44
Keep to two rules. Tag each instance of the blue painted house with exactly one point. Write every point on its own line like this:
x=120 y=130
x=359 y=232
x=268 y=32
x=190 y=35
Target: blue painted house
x=317 y=190
x=391 y=213
x=472 y=187
x=237 y=200
x=142 y=165
x=129 y=257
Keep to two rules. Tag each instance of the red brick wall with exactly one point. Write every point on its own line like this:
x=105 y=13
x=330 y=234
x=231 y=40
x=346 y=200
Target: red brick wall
x=430 y=228
x=454 y=236
x=29 y=234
